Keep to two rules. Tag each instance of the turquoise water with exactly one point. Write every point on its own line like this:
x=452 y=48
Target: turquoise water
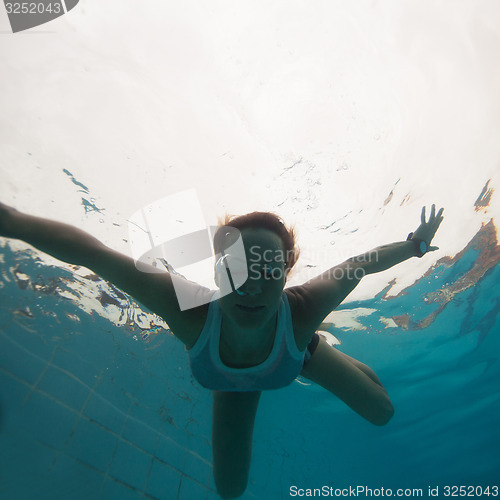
x=97 y=400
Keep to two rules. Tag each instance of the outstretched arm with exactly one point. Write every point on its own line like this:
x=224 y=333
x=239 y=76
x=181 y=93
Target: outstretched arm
x=386 y=256
x=70 y=244
x=324 y=293
x=62 y=241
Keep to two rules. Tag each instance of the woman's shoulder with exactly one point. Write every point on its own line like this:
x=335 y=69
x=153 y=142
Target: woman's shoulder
x=291 y=295
x=191 y=325
x=303 y=325
x=193 y=319
x=297 y=300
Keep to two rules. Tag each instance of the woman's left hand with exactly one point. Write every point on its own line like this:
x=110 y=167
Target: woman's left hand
x=427 y=230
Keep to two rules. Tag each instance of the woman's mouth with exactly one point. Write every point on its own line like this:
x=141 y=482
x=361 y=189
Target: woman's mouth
x=251 y=309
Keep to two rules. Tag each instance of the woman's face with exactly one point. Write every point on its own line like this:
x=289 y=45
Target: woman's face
x=255 y=302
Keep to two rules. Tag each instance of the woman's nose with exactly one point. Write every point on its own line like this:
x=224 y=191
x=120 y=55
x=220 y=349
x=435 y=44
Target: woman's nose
x=250 y=287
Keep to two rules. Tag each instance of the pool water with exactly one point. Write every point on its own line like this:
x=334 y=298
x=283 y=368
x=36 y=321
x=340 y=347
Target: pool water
x=97 y=400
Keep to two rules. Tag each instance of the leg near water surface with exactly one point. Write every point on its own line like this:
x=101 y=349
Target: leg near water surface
x=232 y=431
x=354 y=383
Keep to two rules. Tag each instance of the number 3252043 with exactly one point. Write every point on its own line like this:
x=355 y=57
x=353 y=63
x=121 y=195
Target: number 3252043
x=33 y=8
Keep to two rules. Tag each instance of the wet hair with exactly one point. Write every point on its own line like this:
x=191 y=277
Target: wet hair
x=260 y=220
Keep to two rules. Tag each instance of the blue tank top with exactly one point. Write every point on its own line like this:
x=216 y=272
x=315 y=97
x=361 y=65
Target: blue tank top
x=281 y=367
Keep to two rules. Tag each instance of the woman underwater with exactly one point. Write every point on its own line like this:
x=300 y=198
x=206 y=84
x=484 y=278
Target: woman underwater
x=260 y=336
